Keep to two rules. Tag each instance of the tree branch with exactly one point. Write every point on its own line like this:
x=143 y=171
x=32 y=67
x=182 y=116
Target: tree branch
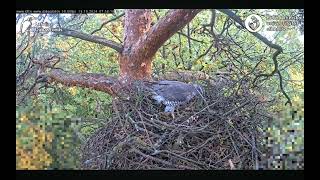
x=257 y=35
x=188 y=76
x=163 y=30
x=190 y=37
x=189 y=41
x=110 y=20
x=94 y=81
x=115 y=35
x=278 y=51
x=283 y=91
x=91 y=38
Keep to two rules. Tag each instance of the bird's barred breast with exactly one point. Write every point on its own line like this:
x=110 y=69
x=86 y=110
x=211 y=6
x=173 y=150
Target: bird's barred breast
x=171 y=103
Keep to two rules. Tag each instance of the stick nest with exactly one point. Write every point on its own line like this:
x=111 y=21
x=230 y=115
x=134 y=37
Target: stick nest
x=221 y=130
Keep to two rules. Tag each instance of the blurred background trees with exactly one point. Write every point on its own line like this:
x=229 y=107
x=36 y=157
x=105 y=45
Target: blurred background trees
x=52 y=120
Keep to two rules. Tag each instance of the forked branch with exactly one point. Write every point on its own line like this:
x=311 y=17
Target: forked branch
x=91 y=38
x=94 y=81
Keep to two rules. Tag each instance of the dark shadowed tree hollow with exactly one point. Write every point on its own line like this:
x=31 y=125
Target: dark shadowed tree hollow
x=141 y=42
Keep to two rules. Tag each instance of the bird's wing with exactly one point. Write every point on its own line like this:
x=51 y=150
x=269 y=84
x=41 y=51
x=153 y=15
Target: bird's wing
x=172 y=92
x=167 y=84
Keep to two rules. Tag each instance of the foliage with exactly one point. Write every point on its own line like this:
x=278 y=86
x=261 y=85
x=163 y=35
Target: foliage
x=53 y=121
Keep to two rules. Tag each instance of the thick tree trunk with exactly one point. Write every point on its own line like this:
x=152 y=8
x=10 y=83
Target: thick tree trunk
x=133 y=65
x=129 y=70
x=141 y=42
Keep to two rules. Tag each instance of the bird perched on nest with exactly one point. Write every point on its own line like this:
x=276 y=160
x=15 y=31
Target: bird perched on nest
x=174 y=93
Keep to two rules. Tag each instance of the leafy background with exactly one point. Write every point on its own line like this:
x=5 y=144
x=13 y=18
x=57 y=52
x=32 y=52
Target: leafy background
x=54 y=121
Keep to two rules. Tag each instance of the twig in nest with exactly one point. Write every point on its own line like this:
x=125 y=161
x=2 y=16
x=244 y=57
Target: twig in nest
x=159 y=160
x=207 y=144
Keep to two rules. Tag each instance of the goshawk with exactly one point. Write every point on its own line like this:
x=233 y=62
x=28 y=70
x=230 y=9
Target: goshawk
x=174 y=93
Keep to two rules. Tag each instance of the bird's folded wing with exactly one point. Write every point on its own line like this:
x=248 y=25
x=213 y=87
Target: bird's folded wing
x=174 y=92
